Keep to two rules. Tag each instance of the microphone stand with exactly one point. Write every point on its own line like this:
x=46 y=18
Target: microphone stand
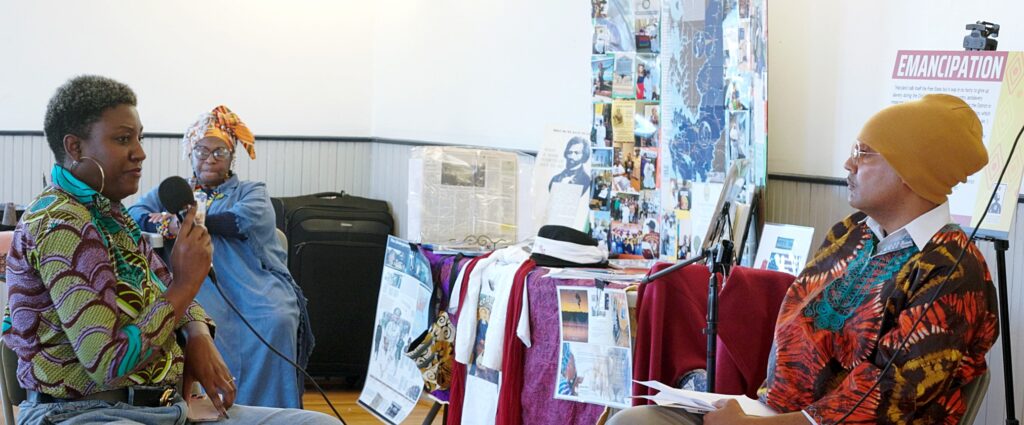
x=1001 y=246
x=674 y=267
x=720 y=259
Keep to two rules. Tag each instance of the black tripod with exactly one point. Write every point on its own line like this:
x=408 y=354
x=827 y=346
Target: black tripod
x=1001 y=245
x=979 y=39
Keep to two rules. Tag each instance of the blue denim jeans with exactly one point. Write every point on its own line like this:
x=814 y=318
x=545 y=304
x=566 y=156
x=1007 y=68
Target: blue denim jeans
x=103 y=412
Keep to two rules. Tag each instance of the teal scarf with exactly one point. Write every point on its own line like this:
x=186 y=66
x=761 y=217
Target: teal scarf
x=131 y=271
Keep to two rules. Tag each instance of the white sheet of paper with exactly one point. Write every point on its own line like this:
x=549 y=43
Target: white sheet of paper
x=698 y=401
x=563 y=204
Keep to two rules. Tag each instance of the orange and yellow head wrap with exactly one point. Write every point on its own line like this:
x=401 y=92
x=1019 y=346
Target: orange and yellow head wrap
x=222 y=124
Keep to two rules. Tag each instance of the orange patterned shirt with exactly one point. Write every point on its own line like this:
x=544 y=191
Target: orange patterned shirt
x=848 y=311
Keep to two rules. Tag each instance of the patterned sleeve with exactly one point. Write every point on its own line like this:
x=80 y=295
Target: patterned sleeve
x=946 y=349
x=195 y=313
x=73 y=264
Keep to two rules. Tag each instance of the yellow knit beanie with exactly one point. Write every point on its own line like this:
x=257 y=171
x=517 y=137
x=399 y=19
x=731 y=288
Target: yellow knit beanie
x=933 y=143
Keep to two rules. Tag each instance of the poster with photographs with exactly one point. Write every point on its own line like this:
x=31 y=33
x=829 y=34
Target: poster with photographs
x=602 y=39
x=647 y=77
x=647 y=27
x=602 y=158
x=739 y=146
x=650 y=239
x=632 y=122
x=648 y=169
x=599 y=9
x=616 y=26
x=602 y=189
x=600 y=224
x=623 y=166
x=393 y=382
x=632 y=163
x=625 y=207
x=625 y=240
x=623 y=121
x=595 y=360
x=601 y=133
x=648 y=124
x=602 y=67
x=623 y=75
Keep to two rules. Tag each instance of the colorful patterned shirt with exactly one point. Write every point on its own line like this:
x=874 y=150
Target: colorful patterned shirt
x=87 y=312
x=844 y=317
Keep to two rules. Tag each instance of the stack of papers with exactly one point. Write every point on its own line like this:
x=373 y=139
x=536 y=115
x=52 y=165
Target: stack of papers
x=699 y=402
x=469 y=250
x=631 y=275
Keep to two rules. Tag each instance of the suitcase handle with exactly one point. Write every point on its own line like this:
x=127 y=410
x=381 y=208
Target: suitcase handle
x=329 y=195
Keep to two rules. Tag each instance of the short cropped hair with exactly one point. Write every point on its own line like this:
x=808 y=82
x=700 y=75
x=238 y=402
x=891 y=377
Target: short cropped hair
x=78 y=104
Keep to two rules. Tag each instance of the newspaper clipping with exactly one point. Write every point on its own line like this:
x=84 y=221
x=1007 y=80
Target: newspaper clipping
x=393 y=382
x=463 y=192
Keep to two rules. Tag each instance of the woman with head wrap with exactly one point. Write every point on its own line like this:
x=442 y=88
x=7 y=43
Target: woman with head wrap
x=249 y=261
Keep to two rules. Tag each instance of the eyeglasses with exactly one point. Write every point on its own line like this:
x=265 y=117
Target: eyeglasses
x=219 y=154
x=857 y=152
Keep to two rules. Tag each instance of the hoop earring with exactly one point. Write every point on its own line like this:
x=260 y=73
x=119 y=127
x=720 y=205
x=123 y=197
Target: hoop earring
x=103 y=175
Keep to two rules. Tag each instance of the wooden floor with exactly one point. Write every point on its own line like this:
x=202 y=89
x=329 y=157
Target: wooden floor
x=345 y=402
x=353 y=413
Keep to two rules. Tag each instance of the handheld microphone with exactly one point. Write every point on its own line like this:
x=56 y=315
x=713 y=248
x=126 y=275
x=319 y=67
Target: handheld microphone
x=175 y=194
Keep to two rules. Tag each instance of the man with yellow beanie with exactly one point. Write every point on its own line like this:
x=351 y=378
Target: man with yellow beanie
x=864 y=290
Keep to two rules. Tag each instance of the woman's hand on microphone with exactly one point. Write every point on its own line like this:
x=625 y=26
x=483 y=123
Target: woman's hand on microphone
x=190 y=262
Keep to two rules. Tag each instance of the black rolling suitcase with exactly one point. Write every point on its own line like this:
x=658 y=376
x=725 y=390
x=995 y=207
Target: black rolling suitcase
x=336 y=254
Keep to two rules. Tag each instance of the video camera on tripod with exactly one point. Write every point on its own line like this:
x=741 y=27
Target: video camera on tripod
x=979 y=39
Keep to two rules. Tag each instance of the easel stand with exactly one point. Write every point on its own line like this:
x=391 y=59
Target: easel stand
x=1001 y=246
x=438 y=406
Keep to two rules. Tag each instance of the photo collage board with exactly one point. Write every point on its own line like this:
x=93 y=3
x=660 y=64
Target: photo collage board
x=679 y=93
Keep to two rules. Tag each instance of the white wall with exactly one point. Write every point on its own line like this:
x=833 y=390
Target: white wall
x=830 y=63
x=487 y=72
x=301 y=67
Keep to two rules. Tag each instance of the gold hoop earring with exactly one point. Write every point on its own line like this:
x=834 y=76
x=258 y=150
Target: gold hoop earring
x=103 y=175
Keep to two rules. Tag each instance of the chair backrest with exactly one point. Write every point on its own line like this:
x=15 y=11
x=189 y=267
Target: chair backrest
x=974 y=395
x=12 y=392
x=283 y=239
